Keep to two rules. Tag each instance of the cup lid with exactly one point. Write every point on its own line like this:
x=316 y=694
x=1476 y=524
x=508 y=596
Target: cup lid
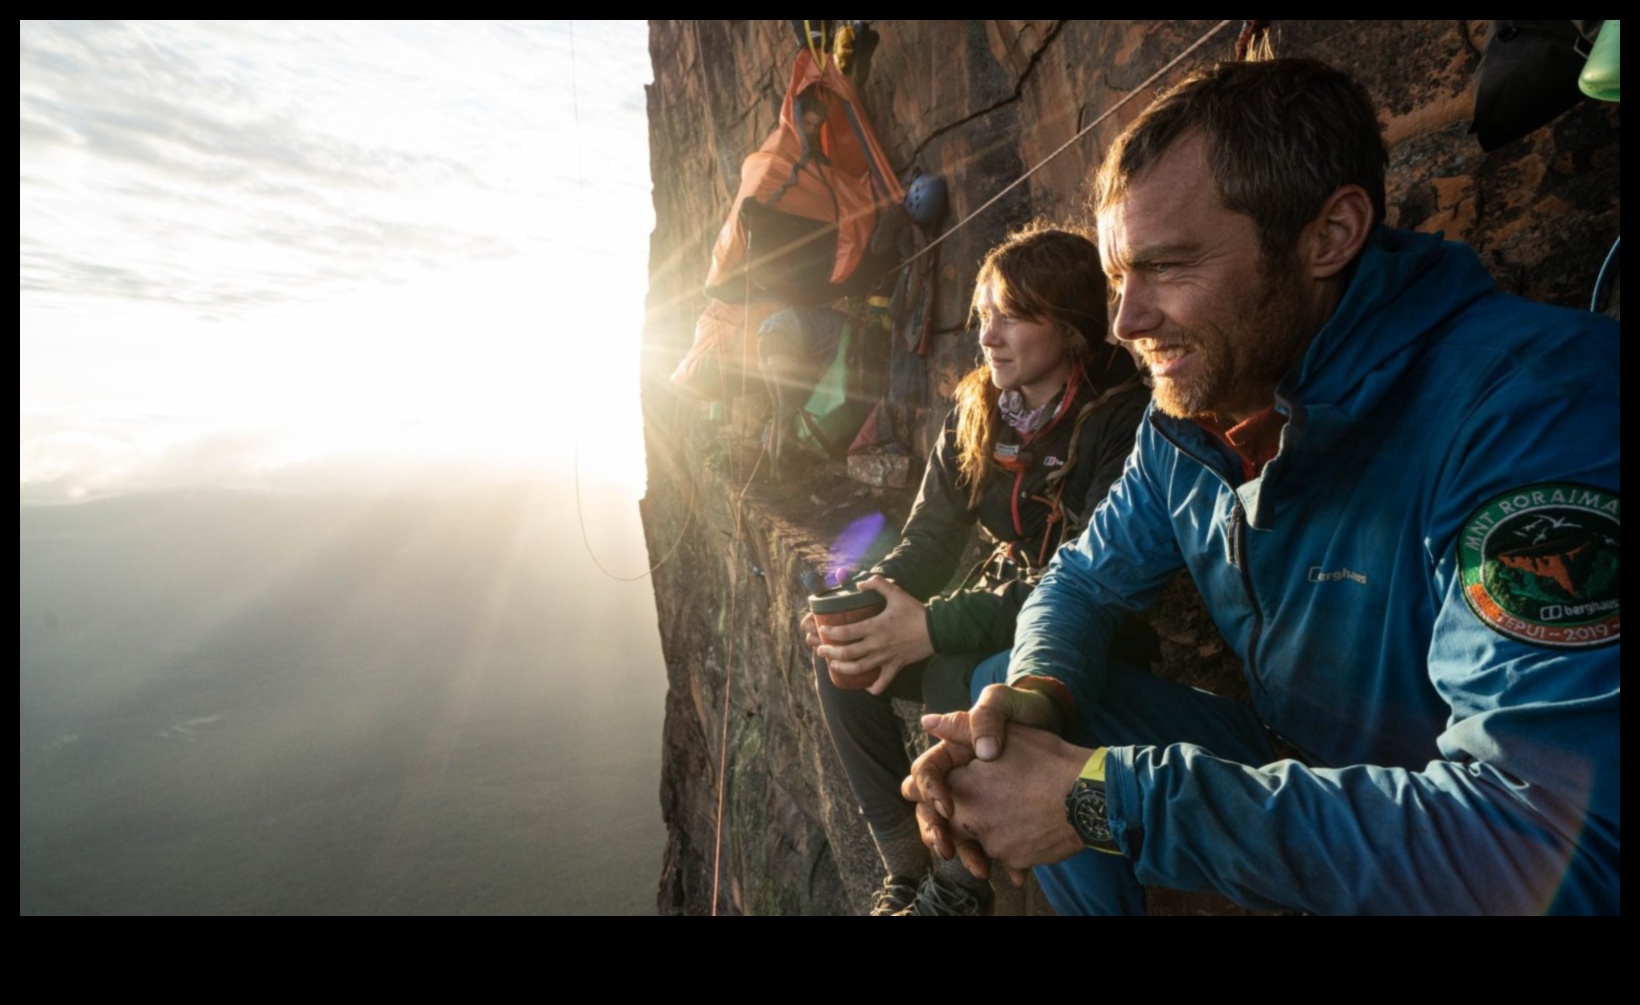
x=845 y=598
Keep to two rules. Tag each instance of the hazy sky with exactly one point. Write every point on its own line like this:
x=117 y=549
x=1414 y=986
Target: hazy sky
x=332 y=257
x=267 y=252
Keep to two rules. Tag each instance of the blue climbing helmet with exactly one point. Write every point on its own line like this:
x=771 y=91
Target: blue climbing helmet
x=926 y=200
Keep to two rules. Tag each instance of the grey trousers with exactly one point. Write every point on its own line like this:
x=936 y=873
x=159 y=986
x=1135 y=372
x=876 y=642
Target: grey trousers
x=867 y=733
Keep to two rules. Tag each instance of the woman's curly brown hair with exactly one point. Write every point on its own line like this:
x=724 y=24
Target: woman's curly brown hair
x=1046 y=274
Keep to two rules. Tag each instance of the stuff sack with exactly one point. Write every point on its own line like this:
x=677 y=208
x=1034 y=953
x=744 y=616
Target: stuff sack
x=1528 y=76
x=723 y=358
x=811 y=200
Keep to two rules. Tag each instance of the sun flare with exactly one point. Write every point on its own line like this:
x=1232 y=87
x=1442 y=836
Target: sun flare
x=441 y=260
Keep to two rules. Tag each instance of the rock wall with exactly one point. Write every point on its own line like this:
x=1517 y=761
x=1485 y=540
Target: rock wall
x=979 y=102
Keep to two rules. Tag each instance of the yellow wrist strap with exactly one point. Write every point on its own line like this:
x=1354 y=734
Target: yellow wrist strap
x=1094 y=770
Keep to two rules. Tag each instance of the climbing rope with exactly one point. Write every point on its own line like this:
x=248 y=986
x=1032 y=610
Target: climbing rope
x=738 y=511
x=734 y=586
x=580 y=516
x=1605 y=271
x=817 y=41
x=1129 y=96
x=689 y=516
x=728 y=690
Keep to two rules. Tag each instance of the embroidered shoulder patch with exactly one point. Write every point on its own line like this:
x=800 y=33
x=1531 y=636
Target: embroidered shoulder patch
x=1541 y=565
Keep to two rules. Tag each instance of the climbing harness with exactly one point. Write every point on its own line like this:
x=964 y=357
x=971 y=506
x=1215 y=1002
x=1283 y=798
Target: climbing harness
x=1016 y=459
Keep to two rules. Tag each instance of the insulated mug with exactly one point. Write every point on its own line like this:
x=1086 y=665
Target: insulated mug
x=845 y=606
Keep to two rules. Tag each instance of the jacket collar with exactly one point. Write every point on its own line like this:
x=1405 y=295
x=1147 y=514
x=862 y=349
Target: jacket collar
x=1407 y=287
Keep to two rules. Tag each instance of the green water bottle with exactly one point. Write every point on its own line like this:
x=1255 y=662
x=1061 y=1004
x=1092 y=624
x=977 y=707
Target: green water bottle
x=1600 y=78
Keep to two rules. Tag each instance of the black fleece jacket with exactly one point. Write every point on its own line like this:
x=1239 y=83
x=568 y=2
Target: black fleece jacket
x=979 y=618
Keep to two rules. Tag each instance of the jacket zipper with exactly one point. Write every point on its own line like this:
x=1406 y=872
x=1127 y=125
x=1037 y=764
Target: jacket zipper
x=1237 y=536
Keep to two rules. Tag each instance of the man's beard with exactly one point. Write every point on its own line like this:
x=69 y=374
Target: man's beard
x=1190 y=399
x=1238 y=365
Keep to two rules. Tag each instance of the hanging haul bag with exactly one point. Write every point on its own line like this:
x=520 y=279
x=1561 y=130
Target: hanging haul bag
x=810 y=200
x=1528 y=76
x=811 y=221
x=722 y=361
x=823 y=371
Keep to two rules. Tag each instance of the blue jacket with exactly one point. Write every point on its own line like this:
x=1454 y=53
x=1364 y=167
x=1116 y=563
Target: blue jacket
x=1423 y=586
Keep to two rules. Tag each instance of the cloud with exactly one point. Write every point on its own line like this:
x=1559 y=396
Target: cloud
x=243 y=244
x=224 y=165
x=77 y=460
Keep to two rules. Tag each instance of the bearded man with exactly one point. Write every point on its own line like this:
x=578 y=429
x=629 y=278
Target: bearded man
x=1397 y=491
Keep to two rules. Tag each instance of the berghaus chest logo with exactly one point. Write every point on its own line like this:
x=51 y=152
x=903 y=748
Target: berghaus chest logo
x=1541 y=564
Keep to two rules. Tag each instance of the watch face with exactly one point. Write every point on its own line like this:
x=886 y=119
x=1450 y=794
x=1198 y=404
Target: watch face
x=1085 y=808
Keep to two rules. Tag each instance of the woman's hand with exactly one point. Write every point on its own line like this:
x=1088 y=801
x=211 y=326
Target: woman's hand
x=811 y=633
x=889 y=642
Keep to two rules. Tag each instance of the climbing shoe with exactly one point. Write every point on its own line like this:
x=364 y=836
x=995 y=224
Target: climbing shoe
x=897 y=894
x=942 y=897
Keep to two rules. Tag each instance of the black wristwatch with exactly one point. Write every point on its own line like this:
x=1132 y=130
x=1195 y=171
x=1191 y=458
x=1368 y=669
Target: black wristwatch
x=1086 y=810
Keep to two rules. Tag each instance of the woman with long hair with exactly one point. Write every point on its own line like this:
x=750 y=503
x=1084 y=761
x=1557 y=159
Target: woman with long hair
x=1040 y=431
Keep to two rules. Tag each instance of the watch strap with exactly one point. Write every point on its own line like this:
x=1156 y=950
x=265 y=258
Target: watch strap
x=1085 y=806
x=1094 y=770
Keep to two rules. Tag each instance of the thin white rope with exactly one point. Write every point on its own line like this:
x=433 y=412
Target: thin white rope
x=580 y=209
x=1129 y=96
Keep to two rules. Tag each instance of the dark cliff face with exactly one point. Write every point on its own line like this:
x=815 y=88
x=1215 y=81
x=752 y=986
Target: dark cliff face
x=980 y=102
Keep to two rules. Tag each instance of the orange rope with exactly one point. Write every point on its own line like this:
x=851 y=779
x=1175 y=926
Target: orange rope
x=734 y=593
x=734 y=596
x=728 y=692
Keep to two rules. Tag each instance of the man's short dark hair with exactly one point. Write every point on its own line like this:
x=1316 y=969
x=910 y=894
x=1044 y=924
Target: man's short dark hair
x=1283 y=135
